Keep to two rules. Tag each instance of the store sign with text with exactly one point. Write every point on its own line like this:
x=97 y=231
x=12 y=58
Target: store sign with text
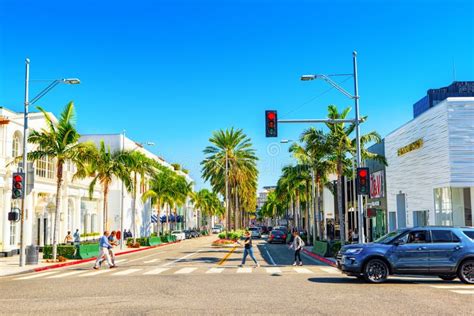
x=376 y=185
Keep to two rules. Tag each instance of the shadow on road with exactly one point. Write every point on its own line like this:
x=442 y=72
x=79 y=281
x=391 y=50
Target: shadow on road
x=394 y=280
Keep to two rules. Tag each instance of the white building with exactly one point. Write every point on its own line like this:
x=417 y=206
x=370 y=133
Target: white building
x=78 y=211
x=430 y=172
x=119 y=196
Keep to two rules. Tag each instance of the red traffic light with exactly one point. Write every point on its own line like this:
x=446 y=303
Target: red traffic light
x=362 y=173
x=271 y=115
x=18 y=178
x=271 y=123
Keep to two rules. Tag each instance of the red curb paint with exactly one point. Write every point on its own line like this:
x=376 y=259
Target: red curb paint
x=318 y=257
x=60 y=265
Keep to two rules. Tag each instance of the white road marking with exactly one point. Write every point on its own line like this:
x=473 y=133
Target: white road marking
x=244 y=270
x=215 y=270
x=269 y=256
x=151 y=255
x=468 y=292
x=150 y=261
x=178 y=260
x=302 y=270
x=453 y=287
x=273 y=270
x=121 y=260
x=185 y=270
x=156 y=271
x=330 y=270
x=34 y=276
x=126 y=272
x=62 y=275
x=95 y=272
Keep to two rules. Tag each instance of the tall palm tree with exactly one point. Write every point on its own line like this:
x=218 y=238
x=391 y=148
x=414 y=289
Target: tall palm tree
x=293 y=183
x=104 y=167
x=233 y=148
x=207 y=202
x=141 y=166
x=272 y=206
x=341 y=146
x=59 y=141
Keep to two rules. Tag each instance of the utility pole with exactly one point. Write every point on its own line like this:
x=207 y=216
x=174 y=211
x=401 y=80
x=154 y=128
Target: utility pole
x=227 y=213
x=122 y=200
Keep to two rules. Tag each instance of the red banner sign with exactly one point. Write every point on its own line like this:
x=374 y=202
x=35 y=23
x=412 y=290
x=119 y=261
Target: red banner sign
x=376 y=185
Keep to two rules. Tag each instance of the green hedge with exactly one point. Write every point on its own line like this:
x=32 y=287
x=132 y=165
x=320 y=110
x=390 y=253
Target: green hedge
x=67 y=251
x=234 y=235
x=321 y=248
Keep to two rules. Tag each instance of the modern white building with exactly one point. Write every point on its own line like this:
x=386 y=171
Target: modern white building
x=430 y=172
x=119 y=198
x=78 y=210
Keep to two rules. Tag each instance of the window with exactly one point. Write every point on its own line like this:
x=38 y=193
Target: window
x=415 y=237
x=442 y=236
x=469 y=233
x=16 y=145
x=12 y=233
x=45 y=168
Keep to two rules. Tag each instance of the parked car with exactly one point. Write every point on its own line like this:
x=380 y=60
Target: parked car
x=188 y=233
x=447 y=252
x=216 y=230
x=276 y=236
x=195 y=233
x=180 y=235
x=281 y=228
x=255 y=232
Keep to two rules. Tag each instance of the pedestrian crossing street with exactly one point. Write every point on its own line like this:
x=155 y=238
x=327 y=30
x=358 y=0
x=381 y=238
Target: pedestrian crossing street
x=187 y=270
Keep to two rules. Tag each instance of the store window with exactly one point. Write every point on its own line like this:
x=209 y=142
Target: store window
x=16 y=144
x=12 y=233
x=45 y=167
x=453 y=206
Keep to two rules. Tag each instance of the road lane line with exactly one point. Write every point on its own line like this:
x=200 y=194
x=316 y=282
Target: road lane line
x=94 y=272
x=156 y=271
x=150 y=261
x=302 y=270
x=185 y=270
x=330 y=270
x=215 y=270
x=226 y=256
x=273 y=270
x=34 y=276
x=121 y=260
x=468 y=292
x=452 y=286
x=126 y=272
x=151 y=255
x=244 y=270
x=271 y=259
x=62 y=275
x=178 y=260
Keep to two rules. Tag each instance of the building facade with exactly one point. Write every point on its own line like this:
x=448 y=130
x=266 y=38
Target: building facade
x=78 y=211
x=430 y=173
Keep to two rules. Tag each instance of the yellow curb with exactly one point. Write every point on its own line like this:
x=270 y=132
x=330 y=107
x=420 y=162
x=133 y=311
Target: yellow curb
x=227 y=256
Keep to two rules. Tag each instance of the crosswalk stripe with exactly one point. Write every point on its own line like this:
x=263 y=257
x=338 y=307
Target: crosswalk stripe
x=94 y=272
x=185 y=270
x=34 y=276
x=150 y=261
x=273 y=270
x=303 y=270
x=121 y=260
x=244 y=270
x=215 y=270
x=156 y=271
x=330 y=270
x=468 y=292
x=126 y=272
x=453 y=287
x=62 y=275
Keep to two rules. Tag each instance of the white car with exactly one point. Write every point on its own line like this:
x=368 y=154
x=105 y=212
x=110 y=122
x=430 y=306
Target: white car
x=216 y=230
x=179 y=234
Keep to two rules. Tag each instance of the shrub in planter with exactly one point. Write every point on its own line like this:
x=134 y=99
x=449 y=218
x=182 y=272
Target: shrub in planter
x=334 y=246
x=66 y=251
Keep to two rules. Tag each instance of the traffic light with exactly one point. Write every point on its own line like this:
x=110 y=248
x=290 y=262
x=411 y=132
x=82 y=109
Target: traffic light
x=363 y=182
x=271 y=124
x=18 y=186
x=14 y=215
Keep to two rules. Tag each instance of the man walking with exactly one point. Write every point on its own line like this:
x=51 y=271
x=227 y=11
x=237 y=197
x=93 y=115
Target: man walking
x=104 y=247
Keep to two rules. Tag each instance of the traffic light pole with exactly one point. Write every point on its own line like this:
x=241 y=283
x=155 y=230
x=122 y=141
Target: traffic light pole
x=25 y=165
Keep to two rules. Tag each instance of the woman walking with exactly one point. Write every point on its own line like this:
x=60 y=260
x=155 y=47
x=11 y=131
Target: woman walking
x=297 y=245
x=248 y=249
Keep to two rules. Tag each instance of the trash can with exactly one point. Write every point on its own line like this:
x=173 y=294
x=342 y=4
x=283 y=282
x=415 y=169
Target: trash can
x=32 y=254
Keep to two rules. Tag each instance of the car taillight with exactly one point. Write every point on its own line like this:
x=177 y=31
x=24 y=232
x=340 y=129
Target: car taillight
x=284 y=236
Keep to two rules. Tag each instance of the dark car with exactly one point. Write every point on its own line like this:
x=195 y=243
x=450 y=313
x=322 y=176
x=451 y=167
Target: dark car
x=195 y=233
x=188 y=234
x=276 y=236
x=447 y=252
x=281 y=228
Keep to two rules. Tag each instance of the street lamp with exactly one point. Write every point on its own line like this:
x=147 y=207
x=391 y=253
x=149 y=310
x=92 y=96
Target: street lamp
x=286 y=141
x=53 y=84
x=357 y=122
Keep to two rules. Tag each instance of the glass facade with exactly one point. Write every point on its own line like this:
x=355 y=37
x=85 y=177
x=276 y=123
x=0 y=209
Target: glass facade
x=453 y=206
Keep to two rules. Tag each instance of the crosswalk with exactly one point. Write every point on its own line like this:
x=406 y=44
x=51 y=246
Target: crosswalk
x=177 y=270
x=462 y=289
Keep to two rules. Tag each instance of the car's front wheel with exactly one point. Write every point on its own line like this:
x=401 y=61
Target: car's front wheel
x=447 y=277
x=466 y=272
x=376 y=271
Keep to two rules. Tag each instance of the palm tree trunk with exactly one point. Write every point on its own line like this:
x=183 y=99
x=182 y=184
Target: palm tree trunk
x=134 y=207
x=339 y=205
x=237 y=209
x=58 y=208
x=297 y=209
x=307 y=212
x=106 y=211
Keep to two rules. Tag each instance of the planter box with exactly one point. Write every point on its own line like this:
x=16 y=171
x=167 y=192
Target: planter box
x=66 y=251
x=153 y=241
x=88 y=251
x=165 y=239
x=321 y=248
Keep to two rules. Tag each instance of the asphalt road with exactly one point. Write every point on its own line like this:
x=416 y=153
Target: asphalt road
x=193 y=278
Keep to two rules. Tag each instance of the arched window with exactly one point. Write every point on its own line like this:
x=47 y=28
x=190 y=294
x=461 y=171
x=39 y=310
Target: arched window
x=16 y=144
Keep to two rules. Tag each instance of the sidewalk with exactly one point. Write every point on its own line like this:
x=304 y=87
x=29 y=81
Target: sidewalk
x=10 y=265
x=329 y=260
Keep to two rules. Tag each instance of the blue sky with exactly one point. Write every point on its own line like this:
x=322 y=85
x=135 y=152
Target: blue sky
x=172 y=72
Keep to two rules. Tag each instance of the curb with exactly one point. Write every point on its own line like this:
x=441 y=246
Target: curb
x=65 y=264
x=319 y=258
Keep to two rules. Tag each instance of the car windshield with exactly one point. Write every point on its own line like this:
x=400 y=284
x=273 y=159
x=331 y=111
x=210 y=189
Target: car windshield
x=388 y=238
x=253 y=228
x=176 y=232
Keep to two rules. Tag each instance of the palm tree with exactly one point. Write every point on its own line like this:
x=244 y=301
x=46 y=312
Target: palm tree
x=272 y=207
x=59 y=141
x=341 y=146
x=233 y=148
x=141 y=166
x=207 y=202
x=104 y=167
